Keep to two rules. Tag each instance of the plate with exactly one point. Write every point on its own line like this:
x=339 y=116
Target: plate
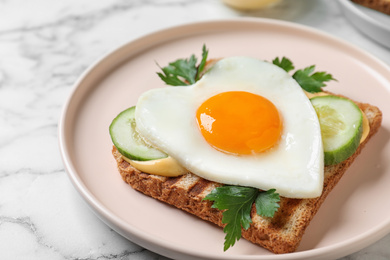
x=348 y=220
x=372 y=23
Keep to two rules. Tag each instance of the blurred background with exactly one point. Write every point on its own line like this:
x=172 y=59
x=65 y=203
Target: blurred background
x=44 y=47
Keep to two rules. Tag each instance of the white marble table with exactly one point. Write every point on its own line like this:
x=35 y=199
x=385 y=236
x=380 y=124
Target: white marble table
x=44 y=47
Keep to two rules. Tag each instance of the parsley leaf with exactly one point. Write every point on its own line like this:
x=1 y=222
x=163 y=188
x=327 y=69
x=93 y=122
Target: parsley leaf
x=183 y=72
x=237 y=202
x=285 y=64
x=308 y=79
x=311 y=81
x=180 y=72
x=202 y=64
x=267 y=203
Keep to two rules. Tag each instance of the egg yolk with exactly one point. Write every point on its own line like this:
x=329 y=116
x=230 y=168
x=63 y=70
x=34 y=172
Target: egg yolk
x=239 y=122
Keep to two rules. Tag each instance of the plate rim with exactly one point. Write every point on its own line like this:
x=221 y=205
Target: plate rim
x=140 y=238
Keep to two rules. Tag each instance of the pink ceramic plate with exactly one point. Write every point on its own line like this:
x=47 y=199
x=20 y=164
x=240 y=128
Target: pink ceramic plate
x=356 y=213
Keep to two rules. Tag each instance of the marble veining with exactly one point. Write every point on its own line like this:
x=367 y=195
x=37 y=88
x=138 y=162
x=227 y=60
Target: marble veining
x=44 y=47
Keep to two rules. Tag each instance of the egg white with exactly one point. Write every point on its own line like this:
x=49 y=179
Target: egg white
x=166 y=117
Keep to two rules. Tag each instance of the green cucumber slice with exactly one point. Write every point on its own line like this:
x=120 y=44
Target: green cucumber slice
x=128 y=141
x=341 y=123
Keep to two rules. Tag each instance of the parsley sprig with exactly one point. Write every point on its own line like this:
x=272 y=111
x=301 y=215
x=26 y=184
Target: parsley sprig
x=308 y=79
x=184 y=72
x=237 y=201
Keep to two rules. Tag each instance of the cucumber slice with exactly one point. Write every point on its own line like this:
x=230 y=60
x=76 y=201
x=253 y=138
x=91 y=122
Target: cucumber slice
x=341 y=123
x=128 y=141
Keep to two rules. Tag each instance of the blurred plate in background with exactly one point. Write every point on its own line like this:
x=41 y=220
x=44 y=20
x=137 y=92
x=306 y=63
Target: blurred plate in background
x=372 y=23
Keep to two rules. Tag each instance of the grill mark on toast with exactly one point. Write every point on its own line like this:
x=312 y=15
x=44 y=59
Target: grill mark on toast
x=172 y=181
x=285 y=212
x=199 y=187
x=176 y=190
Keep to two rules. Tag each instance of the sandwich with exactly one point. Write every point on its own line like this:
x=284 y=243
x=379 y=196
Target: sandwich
x=249 y=145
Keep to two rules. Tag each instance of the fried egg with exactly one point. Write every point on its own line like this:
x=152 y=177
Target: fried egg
x=245 y=122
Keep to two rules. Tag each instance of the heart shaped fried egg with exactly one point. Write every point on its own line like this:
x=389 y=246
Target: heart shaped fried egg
x=245 y=122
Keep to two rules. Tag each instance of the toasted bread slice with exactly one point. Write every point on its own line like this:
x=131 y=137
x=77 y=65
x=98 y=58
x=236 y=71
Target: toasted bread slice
x=280 y=234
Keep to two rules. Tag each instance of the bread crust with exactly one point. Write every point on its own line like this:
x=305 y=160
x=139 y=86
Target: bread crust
x=379 y=5
x=280 y=234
